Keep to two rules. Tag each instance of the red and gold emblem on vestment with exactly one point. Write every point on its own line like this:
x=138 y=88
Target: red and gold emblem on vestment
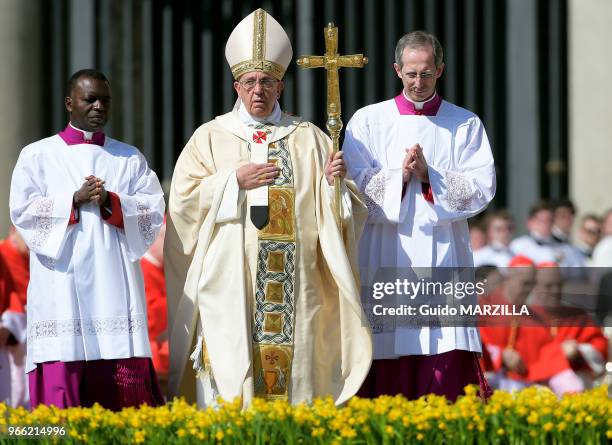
x=259 y=137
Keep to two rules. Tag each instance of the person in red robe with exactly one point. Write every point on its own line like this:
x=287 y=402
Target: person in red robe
x=8 y=332
x=577 y=347
x=533 y=350
x=152 y=264
x=510 y=348
x=7 y=291
x=16 y=256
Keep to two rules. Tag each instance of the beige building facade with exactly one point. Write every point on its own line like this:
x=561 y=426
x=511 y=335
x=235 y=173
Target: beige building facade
x=590 y=104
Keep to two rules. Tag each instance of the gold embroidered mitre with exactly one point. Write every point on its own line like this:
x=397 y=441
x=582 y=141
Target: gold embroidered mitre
x=258 y=43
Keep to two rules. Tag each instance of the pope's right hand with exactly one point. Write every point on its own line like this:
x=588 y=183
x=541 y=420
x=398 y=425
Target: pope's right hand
x=251 y=175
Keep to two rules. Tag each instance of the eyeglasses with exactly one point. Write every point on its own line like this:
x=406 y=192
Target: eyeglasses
x=426 y=75
x=266 y=84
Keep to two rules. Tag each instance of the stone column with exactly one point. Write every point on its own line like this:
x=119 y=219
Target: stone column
x=522 y=108
x=21 y=86
x=590 y=99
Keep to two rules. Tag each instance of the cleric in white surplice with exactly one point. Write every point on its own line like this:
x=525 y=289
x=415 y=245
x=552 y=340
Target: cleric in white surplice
x=88 y=207
x=425 y=166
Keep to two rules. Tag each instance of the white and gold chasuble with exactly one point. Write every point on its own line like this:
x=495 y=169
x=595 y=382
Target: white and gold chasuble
x=279 y=308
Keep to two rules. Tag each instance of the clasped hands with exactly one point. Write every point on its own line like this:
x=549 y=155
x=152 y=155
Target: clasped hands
x=251 y=175
x=415 y=163
x=513 y=361
x=92 y=190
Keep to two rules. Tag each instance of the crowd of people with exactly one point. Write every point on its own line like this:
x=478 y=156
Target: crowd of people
x=549 y=237
x=561 y=272
x=256 y=289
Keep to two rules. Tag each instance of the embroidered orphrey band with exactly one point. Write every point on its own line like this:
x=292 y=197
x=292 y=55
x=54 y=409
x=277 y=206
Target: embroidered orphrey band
x=259 y=35
x=274 y=309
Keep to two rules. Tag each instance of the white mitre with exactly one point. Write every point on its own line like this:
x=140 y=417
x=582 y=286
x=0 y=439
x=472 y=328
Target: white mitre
x=258 y=43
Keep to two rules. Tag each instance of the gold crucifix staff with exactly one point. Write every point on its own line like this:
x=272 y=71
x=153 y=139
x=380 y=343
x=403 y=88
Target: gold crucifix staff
x=332 y=62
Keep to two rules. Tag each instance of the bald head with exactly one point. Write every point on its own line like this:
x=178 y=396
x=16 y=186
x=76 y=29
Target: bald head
x=548 y=287
x=519 y=283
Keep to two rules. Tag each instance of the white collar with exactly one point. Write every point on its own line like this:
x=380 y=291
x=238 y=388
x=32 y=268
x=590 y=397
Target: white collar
x=87 y=135
x=541 y=239
x=274 y=117
x=419 y=105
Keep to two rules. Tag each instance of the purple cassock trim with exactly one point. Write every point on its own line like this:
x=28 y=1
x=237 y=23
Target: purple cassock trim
x=405 y=107
x=114 y=384
x=72 y=136
x=413 y=376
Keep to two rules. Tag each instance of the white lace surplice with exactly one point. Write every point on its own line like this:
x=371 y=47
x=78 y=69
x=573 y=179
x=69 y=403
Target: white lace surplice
x=86 y=294
x=405 y=232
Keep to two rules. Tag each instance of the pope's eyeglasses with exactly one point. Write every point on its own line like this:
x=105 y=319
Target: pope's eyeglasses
x=266 y=84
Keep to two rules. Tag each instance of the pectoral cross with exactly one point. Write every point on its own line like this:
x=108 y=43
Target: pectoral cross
x=332 y=62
